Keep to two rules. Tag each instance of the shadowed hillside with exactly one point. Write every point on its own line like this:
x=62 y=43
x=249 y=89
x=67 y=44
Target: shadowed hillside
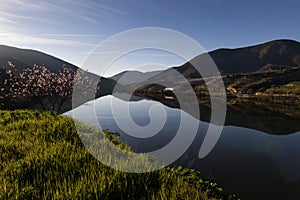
x=24 y=58
x=277 y=54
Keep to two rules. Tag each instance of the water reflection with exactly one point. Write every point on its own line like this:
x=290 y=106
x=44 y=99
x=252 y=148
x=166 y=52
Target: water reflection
x=278 y=118
x=248 y=161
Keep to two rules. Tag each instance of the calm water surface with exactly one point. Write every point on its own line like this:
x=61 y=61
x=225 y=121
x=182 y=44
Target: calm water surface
x=250 y=163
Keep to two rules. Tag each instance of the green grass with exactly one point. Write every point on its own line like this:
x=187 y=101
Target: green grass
x=42 y=157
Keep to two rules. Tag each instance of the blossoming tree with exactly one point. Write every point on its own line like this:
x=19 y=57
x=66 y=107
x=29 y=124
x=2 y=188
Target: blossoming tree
x=51 y=90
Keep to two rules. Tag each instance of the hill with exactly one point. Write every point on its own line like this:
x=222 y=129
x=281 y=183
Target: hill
x=131 y=77
x=250 y=70
x=273 y=55
x=23 y=59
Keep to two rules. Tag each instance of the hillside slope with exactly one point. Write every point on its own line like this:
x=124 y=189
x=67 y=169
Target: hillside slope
x=277 y=54
x=24 y=58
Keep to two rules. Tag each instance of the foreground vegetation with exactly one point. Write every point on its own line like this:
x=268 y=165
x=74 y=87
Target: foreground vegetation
x=42 y=157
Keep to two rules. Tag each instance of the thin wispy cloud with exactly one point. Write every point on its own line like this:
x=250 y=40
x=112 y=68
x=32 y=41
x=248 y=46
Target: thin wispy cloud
x=11 y=15
x=6 y=21
x=42 y=16
x=13 y=18
x=74 y=35
x=89 y=19
x=19 y=4
x=56 y=24
x=85 y=9
x=25 y=39
x=91 y=11
x=96 y=7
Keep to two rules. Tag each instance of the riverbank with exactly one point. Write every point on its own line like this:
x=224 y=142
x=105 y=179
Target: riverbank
x=42 y=157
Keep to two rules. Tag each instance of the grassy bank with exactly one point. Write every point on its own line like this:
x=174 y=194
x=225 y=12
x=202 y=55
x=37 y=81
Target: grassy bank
x=42 y=157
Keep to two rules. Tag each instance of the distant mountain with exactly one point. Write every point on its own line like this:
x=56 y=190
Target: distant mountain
x=273 y=55
x=277 y=54
x=247 y=70
x=130 y=77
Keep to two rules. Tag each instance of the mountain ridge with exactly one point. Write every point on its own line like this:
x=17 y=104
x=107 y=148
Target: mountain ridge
x=131 y=76
x=281 y=52
x=272 y=55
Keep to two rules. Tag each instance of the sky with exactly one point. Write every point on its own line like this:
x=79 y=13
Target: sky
x=71 y=29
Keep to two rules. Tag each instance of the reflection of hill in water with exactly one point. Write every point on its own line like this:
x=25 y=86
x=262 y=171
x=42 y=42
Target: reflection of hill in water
x=277 y=118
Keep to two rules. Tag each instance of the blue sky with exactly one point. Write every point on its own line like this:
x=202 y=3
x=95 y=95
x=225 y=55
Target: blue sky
x=70 y=29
